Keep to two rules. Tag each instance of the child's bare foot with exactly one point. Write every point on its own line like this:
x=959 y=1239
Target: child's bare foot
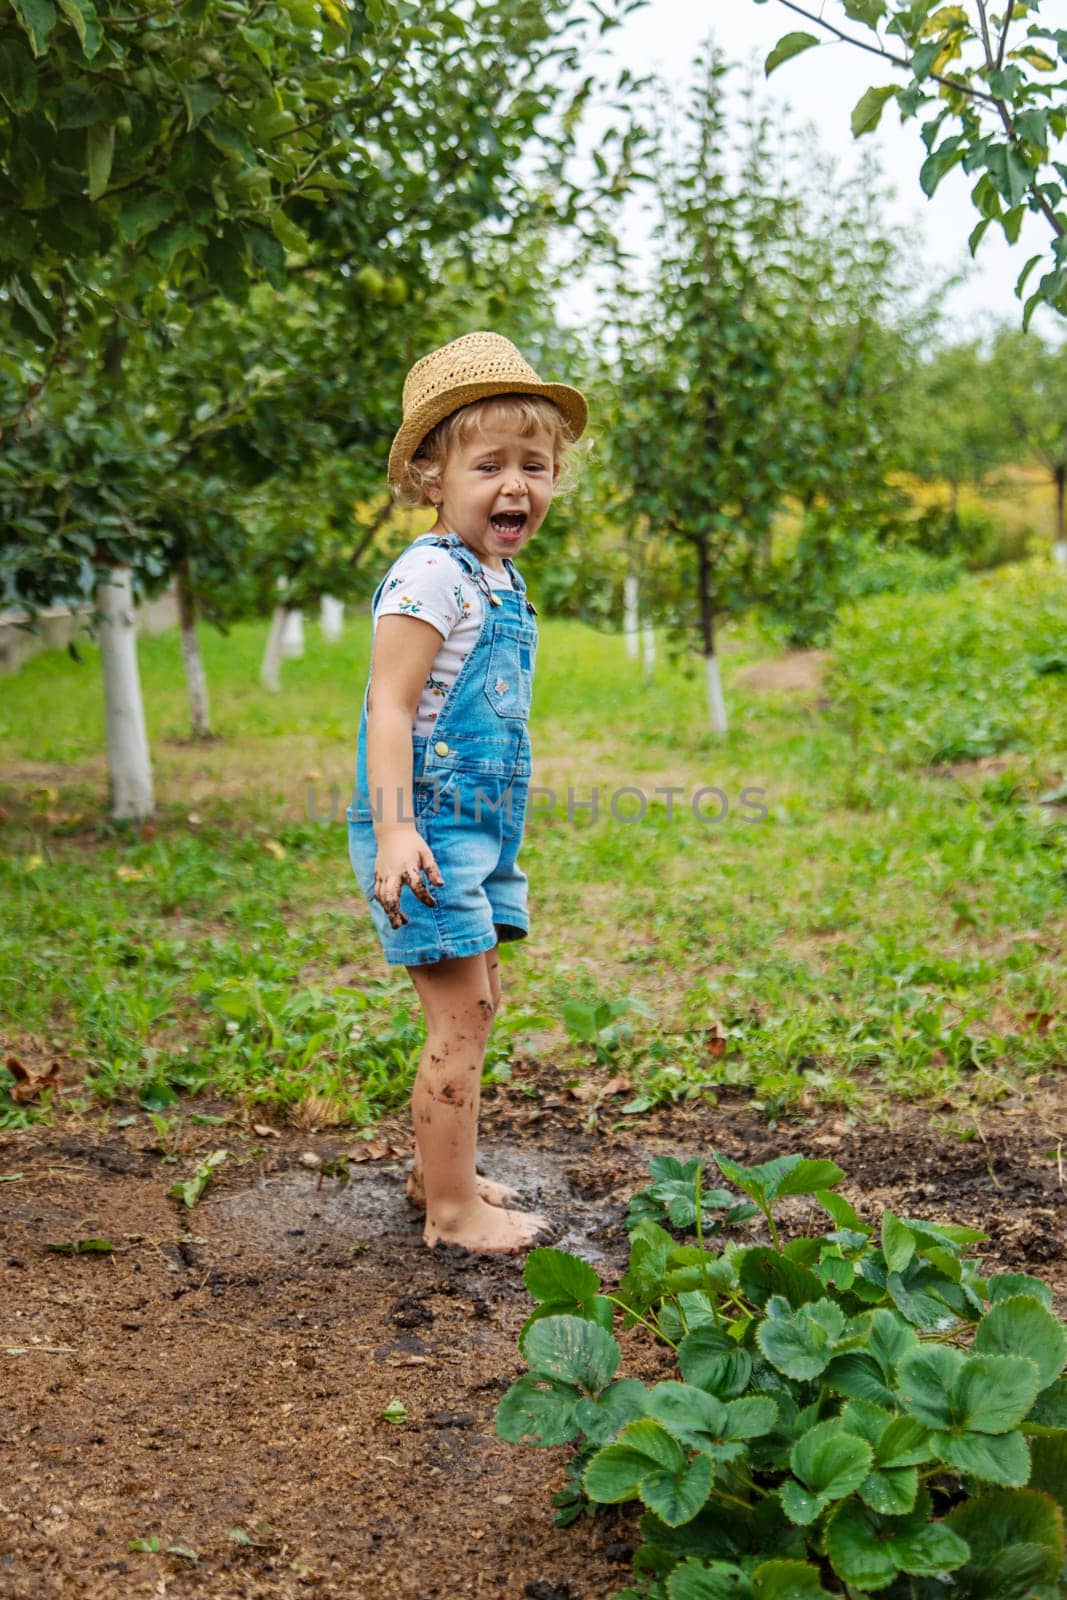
x=494 y=1194
x=489 y=1230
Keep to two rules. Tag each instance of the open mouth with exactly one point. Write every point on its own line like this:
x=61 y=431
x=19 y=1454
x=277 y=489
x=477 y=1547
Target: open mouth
x=508 y=523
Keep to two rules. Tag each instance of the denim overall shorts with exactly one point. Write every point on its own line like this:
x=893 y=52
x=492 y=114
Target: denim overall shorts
x=470 y=785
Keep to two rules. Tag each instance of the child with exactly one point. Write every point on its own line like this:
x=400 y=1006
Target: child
x=444 y=759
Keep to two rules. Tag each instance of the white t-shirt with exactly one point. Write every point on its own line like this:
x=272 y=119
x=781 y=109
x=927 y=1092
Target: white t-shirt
x=426 y=582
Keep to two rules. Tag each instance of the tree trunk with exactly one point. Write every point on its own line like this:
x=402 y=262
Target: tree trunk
x=129 y=762
x=648 y=640
x=331 y=618
x=1059 y=549
x=629 y=614
x=195 y=680
x=716 y=704
x=270 y=673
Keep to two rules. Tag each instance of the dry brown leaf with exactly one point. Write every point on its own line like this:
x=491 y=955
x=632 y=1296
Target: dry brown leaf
x=29 y=1084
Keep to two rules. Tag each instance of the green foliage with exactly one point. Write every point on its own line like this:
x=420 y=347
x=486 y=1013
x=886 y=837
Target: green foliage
x=958 y=678
x=995 y=100
x=760 y=351
x=599 y=1023
x=833 y=1432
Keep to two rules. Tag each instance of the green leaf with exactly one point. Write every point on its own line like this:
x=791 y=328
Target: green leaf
x=643 y=1449
x=830 y=1464
x=856 y=1552
x=269 y=256
x=898 y=1242
x=1000 y=1520
x=858 y=1375
x=763 y=1272
x=904 y=1443
x=1049 y=1469
x=708 y=1580
x=890 y=1493
x=38 y=17
x=926 y=1378
x=697 y=1420
x=787 y=1580
x=260 y=42
x=537 y=1410
x=1006 y=1285
x=809 y=1177
x=616 y=1406
x=1021 y=1326
x=929 y=1551
x=867 y=112
x=614 y=1474
x=99 y=154
x=790 y=45
x=866 y=1421
x=993 y=1394
x=1049 y=1410
x=26 y=294
x=992 y=1458
x=712 y=1362
x=837 y=1207
x=677 y=1497
x=18 y=76
x=200 y=100
x=919 y=1307
x=751 y=1417
x=573 y=1350
x=139 y=215
x=81 y=14
x=802 y=1343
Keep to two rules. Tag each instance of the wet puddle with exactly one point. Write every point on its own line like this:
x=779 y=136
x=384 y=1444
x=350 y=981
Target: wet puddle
x=293 y=1212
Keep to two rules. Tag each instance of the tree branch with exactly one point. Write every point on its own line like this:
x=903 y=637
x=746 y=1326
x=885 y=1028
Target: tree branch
x=886 y=55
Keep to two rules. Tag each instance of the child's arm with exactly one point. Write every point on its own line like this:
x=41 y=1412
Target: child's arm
x=403 y=653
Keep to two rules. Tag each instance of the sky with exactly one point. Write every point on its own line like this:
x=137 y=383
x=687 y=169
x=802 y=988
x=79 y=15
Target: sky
x=820 y=88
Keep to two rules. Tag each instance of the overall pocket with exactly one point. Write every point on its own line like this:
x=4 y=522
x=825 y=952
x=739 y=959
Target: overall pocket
x=509 y=679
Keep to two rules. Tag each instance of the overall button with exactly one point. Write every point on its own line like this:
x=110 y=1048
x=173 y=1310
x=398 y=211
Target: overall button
x=441 y=748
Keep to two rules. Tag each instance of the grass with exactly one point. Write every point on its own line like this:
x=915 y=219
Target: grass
x=892 y=928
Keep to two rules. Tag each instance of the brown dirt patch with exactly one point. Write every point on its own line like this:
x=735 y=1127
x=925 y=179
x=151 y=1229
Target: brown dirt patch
x=226 y=1367
x=801 y=670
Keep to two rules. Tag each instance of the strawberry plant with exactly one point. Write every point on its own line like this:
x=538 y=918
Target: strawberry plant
x=856 y=1411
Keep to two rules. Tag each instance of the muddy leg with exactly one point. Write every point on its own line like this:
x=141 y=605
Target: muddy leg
x=457 y=999
x=495 y=1194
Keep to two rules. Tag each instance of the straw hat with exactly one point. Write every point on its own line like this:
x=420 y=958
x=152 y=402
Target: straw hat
x=471 y=368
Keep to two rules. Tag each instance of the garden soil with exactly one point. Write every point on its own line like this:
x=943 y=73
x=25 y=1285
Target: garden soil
x=217 y=1381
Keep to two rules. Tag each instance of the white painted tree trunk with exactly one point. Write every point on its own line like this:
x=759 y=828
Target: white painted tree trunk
x=629 y=614
x=648 y=640
x=293 y=635
x=331 y=618
x=129 y=762
x=1059 y=552
x=716 y=703
x=270 y=672
x=195 y=677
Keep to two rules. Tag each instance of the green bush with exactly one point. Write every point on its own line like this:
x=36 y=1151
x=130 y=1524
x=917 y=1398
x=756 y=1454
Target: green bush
x=803 y=593
x=855 y=1412
x=970 y=533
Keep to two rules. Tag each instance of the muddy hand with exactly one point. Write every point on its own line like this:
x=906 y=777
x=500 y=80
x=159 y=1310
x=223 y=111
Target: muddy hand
x=402 y=862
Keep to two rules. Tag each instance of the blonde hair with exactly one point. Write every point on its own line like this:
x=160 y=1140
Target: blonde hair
x=528 y=413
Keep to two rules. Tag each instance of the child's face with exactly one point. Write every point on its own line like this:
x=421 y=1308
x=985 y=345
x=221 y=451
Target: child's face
x=496 y=489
